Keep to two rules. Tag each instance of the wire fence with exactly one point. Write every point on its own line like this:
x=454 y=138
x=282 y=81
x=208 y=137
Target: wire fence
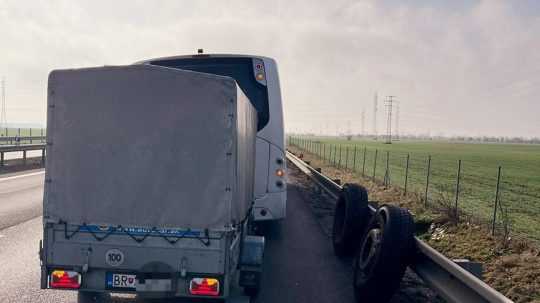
x=507 y=203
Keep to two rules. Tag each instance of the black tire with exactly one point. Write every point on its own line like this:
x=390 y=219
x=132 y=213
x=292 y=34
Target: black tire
x=252 y=291
x=351 y=216
x=386 y=250
x=92 y=297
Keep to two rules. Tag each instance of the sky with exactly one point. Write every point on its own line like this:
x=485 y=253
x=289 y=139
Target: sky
x=456 y=67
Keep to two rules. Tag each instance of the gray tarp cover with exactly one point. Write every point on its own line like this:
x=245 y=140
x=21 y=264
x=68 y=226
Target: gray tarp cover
x=148 y=146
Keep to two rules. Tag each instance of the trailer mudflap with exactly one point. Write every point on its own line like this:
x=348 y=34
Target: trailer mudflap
x=251 y=261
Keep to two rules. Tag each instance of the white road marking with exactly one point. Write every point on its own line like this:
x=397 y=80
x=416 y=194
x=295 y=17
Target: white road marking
x=21 y=176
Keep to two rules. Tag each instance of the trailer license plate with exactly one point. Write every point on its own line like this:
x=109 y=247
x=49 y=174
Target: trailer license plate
x=124 y=281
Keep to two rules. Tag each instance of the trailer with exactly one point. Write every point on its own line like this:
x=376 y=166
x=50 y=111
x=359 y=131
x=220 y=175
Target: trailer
x=149 y=185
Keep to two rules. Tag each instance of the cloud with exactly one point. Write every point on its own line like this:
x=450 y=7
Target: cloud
x=459 y=67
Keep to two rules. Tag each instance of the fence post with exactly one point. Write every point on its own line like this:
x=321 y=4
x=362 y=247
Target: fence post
x=354 y=160
x=457 y=191
x=347 y=157
x=364 y=163
x=496 y=202
x=335 y=152
x=375 y=165
x=427 y=180
x=406 y=173
x=339 y=163
x=330 y=154
x=387 y=172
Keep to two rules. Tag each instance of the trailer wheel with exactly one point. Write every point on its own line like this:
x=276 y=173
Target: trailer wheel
x=92 y=297
x=351 y=216
x=386 y=250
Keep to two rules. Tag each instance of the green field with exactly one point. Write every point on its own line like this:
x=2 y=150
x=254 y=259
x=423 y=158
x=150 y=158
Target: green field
x=520 y=179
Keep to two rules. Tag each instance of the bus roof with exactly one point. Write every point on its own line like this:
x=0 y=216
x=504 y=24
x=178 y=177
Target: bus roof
x=203 y=56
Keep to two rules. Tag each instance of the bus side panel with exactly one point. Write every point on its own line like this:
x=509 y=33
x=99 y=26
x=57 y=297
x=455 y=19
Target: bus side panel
x=273 y=203
x=261 y=168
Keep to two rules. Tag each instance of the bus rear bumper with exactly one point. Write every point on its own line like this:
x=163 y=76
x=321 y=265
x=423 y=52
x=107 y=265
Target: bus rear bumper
x=271 y=206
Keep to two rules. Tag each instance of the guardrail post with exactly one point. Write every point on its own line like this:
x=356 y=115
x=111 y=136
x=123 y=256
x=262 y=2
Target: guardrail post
x=427 y=180
x=496 y=202
x=364 y=163
x=375 y=164
x=457 y=191
x=43 y=156
x=406 y=173
x=24 y=157
x=1 y=158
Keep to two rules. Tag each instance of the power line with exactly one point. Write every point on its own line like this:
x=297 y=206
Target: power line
x=363 y=122
x=389 y=102
x=397 y=121
x=349 y=133
x=375 y=116
x=3 y=116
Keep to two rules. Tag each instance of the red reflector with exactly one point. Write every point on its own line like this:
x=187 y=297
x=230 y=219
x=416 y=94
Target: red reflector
x=65 y=279
x=204 y=286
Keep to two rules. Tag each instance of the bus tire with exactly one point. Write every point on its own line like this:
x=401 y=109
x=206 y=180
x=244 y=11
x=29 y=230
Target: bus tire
x=92 y=297
x=351 y=216
x=386 y=250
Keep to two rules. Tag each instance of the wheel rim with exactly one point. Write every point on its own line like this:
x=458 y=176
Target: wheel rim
x=367 y=257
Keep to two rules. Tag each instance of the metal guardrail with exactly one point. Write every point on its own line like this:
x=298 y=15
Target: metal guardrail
x=452 y=282
x=14 y=139
x=21 y=148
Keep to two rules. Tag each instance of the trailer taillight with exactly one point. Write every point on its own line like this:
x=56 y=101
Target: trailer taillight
x=65 y=279
x=204 y=286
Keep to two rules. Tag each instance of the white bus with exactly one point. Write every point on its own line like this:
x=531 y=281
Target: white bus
x=258 y=78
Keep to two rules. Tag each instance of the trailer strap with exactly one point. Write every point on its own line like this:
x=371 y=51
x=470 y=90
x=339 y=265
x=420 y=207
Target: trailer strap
x=188 y=233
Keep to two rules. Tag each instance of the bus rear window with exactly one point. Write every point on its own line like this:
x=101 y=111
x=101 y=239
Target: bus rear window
x=240 y=69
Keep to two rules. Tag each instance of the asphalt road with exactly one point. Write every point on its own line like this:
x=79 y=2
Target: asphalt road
x=299 y=262
x=21 y=197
